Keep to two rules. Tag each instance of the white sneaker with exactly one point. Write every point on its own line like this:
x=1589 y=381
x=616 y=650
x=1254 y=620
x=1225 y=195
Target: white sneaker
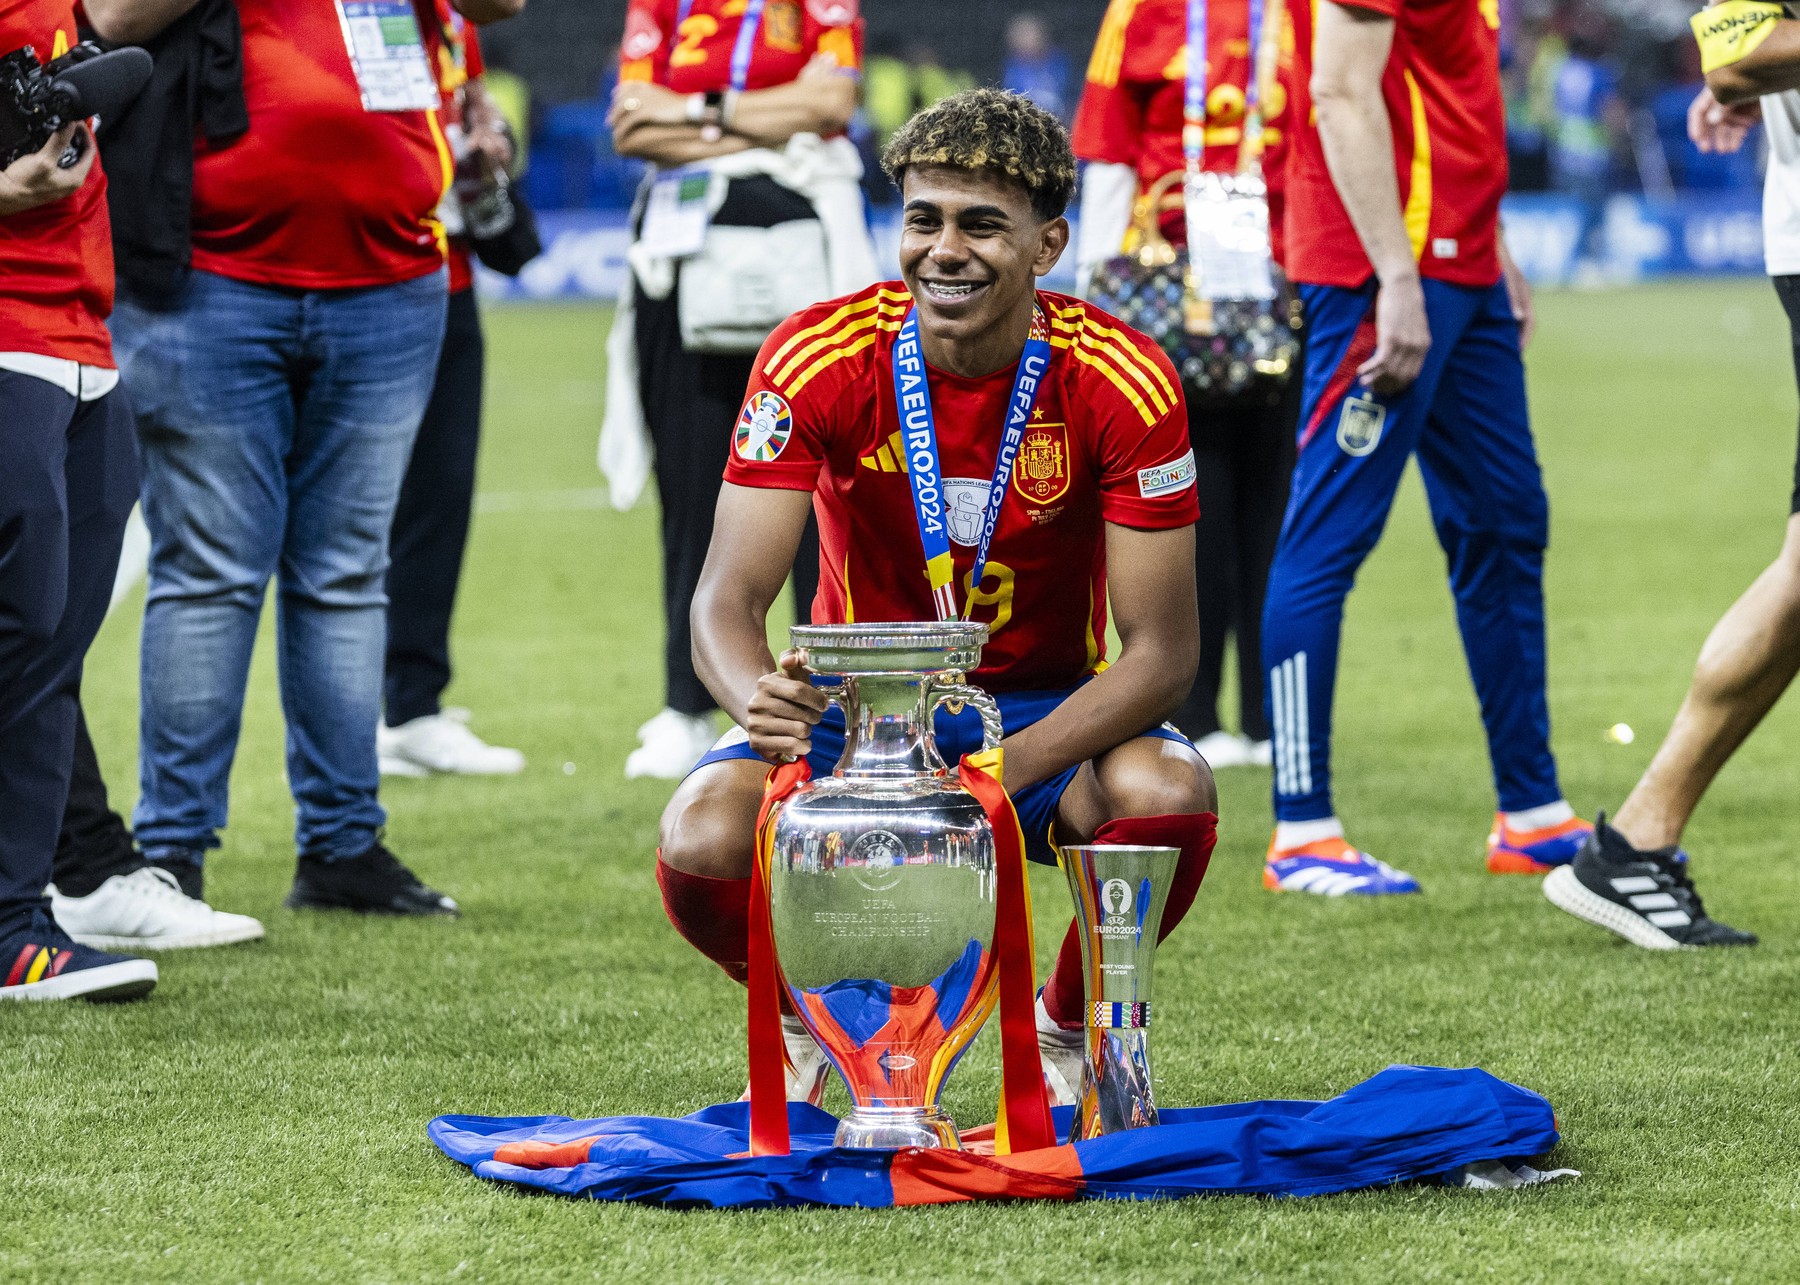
x=1262 y=753
x=1224 y=749
x=442 y=742
x=146 y=910
x=1063 y=1055
x=672 y=743
x=806 y=1064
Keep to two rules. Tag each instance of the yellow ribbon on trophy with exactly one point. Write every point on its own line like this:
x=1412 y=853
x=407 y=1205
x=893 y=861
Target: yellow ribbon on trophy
x=1730 y=32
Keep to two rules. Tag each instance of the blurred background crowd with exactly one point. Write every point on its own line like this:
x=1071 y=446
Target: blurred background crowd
x=1597 y=89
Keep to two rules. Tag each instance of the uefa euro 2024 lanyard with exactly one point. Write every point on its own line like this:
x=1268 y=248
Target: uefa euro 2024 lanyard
x=746 y=39
x=1193 y=131
x=918 y=427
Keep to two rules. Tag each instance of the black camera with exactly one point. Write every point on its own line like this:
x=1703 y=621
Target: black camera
x=36 y=101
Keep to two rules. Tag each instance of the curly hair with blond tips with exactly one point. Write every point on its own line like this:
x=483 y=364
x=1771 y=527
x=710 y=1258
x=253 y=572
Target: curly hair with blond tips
x=990 y=129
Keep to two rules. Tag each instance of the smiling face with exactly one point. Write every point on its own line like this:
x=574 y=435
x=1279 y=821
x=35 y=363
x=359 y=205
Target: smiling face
x=971 y=250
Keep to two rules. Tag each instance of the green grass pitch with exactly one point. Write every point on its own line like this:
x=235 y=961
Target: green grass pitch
x=262 y=1116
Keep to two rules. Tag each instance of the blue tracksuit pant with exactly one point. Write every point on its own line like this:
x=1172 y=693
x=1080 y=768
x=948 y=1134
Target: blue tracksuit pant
x=1467 y=421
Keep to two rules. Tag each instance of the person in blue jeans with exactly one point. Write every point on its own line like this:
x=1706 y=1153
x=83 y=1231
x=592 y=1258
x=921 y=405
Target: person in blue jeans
x=279 y=385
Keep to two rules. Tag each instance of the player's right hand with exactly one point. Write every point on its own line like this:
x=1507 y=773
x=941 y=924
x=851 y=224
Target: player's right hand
x=784 y=710
x=1402 y=337
x=1715 y=127
x=37 y=179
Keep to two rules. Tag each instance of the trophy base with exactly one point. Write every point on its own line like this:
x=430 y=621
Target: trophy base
x=892 y=1128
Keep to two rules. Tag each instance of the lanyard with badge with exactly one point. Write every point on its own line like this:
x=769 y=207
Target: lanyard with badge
x=679 y=206
x=918 y=428
x=1227 y=214
x=387 y=53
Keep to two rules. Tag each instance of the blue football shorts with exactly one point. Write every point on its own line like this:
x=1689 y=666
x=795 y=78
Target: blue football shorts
x=957 y=735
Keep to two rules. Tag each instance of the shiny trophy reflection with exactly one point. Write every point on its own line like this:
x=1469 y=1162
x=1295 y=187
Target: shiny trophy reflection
x=1119 y=893
x=882 y=880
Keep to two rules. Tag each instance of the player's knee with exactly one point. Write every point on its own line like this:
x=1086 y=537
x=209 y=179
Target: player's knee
x=710 y=830
x=1164 y=778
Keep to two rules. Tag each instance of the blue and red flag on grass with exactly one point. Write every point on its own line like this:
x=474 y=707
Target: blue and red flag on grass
x=1406 y=1123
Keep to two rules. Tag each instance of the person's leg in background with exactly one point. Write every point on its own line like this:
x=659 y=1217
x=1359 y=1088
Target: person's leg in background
x=1353 y=449
x=1492 y=518
x=68 y=475
x=431 y=530
x=105 y=895
x=1632 y=877
x=692 y=401
x=210 y=378
x=1263 y=463
x=369 y=358
x=1212 y=431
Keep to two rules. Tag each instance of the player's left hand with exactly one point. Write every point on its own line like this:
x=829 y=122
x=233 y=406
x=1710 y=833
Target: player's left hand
x=1715 y=127
x=1518 y=292
x=784 y=710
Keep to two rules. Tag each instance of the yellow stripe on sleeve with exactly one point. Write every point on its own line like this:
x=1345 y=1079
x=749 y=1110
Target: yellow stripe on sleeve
x=829 y=359
x=1418 y=198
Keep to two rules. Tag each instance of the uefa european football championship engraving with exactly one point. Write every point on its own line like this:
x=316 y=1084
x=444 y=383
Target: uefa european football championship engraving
x=1119 y=894
x=882 y=880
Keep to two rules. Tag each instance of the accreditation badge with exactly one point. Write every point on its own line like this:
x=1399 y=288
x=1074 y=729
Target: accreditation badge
x=387 y=53
x=1360 y=425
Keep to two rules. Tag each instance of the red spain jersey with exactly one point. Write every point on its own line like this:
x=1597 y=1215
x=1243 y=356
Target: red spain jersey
x=1133 y=105
x=1442 y=88
x=56 y=265
x=697 y=58
x=1107 y=442
x=320 y=193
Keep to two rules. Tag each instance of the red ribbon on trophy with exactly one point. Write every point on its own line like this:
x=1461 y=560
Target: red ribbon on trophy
x=1023 y=1121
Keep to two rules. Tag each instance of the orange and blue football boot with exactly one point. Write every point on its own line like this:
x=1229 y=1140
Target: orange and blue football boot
x=1332 y=868
x=1534 y=852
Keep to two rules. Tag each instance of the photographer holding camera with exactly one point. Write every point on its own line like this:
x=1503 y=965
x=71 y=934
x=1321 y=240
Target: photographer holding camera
x=68 y=477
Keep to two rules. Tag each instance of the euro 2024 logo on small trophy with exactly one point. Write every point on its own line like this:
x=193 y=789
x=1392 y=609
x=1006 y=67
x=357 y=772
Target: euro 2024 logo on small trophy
x=1119 y=894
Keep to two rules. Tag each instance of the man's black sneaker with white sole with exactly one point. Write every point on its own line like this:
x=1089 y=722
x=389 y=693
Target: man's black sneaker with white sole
x=374 y=883
x=40 y=961
x=1645 y=897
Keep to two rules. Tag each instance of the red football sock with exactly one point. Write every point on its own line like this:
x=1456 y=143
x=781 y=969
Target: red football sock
x=713 y=915
x=1195 y=835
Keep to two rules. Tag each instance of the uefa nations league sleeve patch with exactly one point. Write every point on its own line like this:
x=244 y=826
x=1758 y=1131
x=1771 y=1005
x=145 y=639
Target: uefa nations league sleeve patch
x=763 y=428
x=1167 y=479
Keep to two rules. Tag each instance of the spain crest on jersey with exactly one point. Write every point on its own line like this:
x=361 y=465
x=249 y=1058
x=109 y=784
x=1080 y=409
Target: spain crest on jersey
x=1041 y=473
x=763 y=428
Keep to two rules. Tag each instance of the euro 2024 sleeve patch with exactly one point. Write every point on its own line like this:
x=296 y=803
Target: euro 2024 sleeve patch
x=763 y=428
x=1167 y=479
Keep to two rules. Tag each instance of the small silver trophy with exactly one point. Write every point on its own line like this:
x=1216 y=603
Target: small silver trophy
x=882 y=880
x=1119 y=894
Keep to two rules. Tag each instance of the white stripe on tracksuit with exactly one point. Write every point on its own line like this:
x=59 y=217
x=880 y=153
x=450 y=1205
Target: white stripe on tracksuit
x=1293 y=730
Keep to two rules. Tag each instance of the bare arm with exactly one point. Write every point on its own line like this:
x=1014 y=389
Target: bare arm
x=1151 y=577
x=1770 y=68
x=740 y=581
x=821 y=101
x=1350 y=57
x=131 y=22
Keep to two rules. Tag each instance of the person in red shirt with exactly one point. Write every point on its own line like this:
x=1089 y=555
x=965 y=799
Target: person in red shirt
x=417 y=735
x=278 y=390
x=68 y=477
x=1129 y=131
x=749 y=102
x=1416 y=323
x=1098 y=506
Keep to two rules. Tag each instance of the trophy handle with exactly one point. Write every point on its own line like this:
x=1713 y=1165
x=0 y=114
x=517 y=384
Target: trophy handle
x=956 y=694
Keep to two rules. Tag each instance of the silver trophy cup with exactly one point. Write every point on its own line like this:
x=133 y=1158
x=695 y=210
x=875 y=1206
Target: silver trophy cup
x=882 y=880
x=1119 y=895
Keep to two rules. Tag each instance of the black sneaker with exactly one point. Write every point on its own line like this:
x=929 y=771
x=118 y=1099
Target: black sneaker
x=1645 y=897
x=374 y=883
x=40 y=961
